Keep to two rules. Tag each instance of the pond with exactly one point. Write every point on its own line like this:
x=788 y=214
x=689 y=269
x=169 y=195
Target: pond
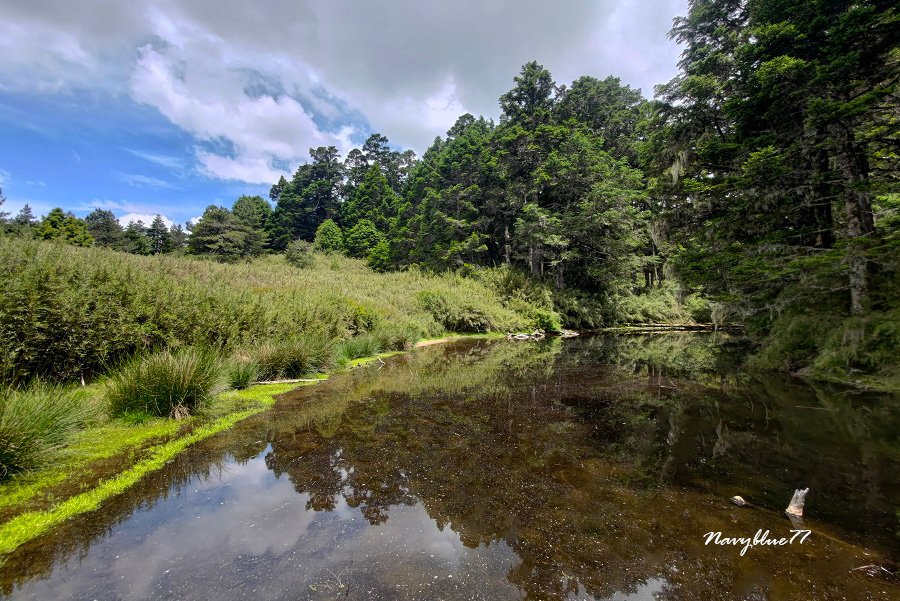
x=590 y=468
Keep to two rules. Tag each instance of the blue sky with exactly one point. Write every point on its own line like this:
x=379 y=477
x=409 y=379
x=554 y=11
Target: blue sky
x=172 y=105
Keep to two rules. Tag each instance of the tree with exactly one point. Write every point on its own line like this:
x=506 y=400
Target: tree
x=135 y=239
x=773 y=118
x=611 y=110
x=158 y=234
x=374 y=200
x=178 y=238
x=254 y=211
x=105 y=228
x=24 y=219
x=2 y=201
x=362 y=238
x=224 y=237
x=529 y=103
x=311 y=197
x=329 y=237
x=59 y=225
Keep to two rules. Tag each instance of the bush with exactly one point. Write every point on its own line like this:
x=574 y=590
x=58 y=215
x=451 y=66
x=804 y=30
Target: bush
x=36 y=421
x=329 y=237
x=242 y=373
x=398 y=336
x=546 y=320
x=164 y=384
x=299 y=254
x=293 y=358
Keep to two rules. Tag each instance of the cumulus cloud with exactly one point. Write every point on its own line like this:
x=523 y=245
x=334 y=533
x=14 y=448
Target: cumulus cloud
x=144 y=218
x=258 y=85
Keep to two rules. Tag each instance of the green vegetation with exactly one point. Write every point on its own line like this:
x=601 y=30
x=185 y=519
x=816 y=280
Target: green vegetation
x=36 y=421
x=168 y=383
x=68 y=312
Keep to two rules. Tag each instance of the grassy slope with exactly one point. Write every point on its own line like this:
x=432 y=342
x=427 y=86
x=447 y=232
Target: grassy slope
x=68 y=312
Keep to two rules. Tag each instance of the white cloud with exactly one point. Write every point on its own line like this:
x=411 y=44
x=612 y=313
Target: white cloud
x=257 y=84
x=145 y=218
x=216 y=107
x=169 y=162
x=4 y=178
x=136 y=179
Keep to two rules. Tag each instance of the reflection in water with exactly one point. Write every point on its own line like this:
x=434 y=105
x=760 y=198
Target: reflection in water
x=584 y=469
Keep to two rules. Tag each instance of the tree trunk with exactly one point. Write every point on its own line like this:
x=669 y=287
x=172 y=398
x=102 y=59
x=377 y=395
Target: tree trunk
x=506 y=244
x=860 y=221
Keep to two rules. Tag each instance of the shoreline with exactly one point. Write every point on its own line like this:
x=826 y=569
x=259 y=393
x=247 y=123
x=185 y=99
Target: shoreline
x=141 y=449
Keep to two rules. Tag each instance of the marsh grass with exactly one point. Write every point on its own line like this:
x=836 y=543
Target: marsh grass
x=69 y=312
x=168 y=383
x=366 y=345
x=293 y=357
x=242 y=373
x=36 y=421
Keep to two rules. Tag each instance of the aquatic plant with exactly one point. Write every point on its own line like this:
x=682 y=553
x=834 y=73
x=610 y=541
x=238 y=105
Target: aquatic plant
x=37 y=420
x=168 y=383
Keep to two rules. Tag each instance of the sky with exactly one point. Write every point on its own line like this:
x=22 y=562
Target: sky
x=169 y=106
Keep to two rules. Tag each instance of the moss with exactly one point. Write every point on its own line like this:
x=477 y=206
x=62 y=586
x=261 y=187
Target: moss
x=86 y=447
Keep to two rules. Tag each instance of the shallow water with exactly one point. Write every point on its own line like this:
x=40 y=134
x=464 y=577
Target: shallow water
x=582 y=469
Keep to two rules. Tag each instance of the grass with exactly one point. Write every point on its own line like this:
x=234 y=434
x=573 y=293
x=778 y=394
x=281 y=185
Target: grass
x=242 y=373
x=168 y=383
x=293 y=357
x=69 y=312
x=36 y=421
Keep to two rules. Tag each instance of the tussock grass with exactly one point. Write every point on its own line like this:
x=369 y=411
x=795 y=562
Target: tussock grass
x=168 y=383
x=293 y=357
x=36 y=421
x=242 y=373
x=68 y=312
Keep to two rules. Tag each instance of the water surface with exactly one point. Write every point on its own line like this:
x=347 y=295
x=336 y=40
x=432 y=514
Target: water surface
x=583 y=469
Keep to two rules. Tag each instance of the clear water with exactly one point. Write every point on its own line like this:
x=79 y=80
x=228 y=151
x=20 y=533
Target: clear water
x=589 y=468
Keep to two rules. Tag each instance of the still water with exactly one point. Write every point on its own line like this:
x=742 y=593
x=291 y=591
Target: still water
x=590 y=468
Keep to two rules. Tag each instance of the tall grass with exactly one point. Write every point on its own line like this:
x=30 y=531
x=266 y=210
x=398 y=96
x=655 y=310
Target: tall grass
x=67 y=312
x=168 y=383
x=36 y=421
x=293 y=357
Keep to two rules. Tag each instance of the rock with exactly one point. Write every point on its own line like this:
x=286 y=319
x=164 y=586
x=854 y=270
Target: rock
x=739 y=501
x=568 y=334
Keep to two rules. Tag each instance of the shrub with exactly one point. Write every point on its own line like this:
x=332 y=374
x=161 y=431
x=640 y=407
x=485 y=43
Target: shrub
x=299 y=254
x=546 y=320
x=293 y=358
x=242 y=373
x=329 y=237
x=168 y=383
x=36 y=421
